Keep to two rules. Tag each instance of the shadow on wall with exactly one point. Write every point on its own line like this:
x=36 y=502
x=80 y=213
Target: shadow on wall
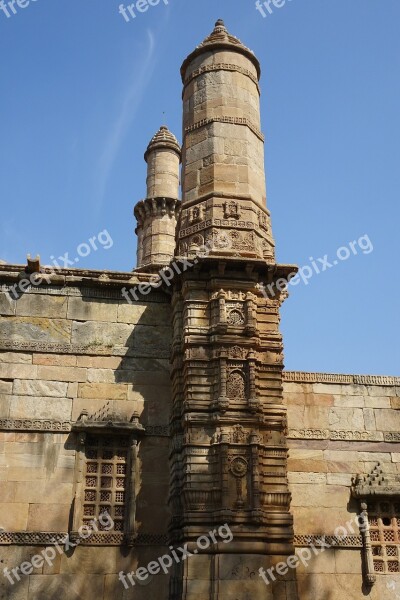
x=91 y=572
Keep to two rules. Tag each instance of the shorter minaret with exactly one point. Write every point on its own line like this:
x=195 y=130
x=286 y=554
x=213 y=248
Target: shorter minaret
x=157 y=214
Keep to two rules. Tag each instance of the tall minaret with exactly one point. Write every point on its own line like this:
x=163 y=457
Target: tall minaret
x=228 y=424
x=157 y=214
x=223 y=175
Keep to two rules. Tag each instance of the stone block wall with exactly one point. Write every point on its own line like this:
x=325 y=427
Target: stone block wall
x=64 y=350
x=339 y=426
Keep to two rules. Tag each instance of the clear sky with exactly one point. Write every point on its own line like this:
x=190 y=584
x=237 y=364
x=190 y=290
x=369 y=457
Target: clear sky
x=83 y=91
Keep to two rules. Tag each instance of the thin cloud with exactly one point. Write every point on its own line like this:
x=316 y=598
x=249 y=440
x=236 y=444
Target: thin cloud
x=126 y=114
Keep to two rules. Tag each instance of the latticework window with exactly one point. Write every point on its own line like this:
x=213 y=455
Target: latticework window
x=105 y=481
x=105 y=474
x=384 y=524
x=236 y=385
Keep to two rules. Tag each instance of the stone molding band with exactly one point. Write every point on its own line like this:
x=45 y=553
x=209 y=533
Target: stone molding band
x=229 y=120
x=45 y=538
x=222 y=67
x=348 y=541
x=55 y=348
x=302 y=377
x=55 y=426
x=349 y=436
x=91 y=292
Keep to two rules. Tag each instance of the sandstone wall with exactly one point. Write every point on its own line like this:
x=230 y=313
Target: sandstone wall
x=337 y=430
x=63 y=350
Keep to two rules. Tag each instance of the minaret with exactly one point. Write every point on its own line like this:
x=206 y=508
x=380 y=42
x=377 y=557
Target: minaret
x=157 y=214
x=228 y=424
x=223 y=175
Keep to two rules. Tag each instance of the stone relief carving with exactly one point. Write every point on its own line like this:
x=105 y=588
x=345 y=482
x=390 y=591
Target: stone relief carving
x=236 y=385
x=231 y=210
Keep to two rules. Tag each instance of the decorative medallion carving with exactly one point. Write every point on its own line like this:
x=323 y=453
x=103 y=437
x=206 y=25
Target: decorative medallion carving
x=238 y=466
x=236 y=318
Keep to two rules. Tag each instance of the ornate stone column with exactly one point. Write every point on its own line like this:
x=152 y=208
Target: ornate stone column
x=229 y=453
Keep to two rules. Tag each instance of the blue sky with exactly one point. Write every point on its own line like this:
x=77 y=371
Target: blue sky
x=83 y=91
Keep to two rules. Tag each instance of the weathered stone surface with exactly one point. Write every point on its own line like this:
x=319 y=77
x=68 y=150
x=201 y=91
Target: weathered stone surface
x=150 y=314
x=47 y=492
x=55 y=360
x=319 y=495
x=82 y=585
x=5 y=387
x=50 y=517
x=349 y=401
x=387 y=420
x=22 y=329
x=40 y=408
x=81 y=309
x=343 y=479
x=346 y=418
x=7 y=304
x=23 y=387
x=15 y=357
x=38 y=305
x=21 y=371
x=92 y=334
x=99 y=362
x=13 y=516
x=309 y=478
x=61 y=374
x=104 y=391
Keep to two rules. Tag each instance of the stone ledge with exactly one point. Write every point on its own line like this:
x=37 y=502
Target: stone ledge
x=304 y=377
x=46 y=538
x=339 y=435
x=349 y=541
x=77 y=349
x=58 y=426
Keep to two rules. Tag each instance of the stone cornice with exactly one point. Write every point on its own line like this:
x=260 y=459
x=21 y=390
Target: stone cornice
x=348 y=541
x=58 y=426
x=230 y=121
x=89 y=350
x=304 y=377
x=344 y=435
x=46 y=538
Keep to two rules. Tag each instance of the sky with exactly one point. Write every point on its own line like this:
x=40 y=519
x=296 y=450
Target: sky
x=83 y=90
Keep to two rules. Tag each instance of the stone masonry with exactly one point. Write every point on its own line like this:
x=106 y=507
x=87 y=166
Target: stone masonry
x=172 y=413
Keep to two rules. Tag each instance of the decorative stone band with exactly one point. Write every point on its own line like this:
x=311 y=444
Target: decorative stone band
x=45 y=538
x=153 y=207
x=348 y=541
x=222 y=67
x=231 y=120
x=50 y=348
x=34 y=425
x=300 y=377
x=350 y=436
x=105 y=292
x=54 y=426
x=218 y=223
